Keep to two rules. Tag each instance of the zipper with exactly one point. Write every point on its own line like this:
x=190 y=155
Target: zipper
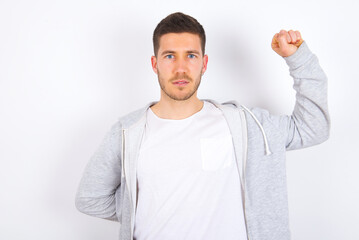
x=244 y=163
x=124 y=174
x=132 y=201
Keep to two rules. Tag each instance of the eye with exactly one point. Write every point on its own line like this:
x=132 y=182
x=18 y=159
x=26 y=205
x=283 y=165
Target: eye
x=169 y=56
x=191 y=55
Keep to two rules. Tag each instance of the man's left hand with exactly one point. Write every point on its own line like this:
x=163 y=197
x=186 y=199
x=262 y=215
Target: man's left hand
x=286 y=43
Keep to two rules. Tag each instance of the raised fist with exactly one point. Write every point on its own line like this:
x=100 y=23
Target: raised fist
x=286 y=43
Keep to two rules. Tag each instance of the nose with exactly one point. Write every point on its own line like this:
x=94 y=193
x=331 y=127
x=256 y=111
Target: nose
x=181 y=65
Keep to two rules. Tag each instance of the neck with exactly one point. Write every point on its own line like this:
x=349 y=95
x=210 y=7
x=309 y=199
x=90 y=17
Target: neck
x=168 y=108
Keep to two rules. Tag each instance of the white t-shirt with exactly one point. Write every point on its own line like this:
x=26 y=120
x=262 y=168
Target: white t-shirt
x=189 y=186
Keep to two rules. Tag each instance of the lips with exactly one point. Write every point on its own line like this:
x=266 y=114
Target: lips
x=180 y=82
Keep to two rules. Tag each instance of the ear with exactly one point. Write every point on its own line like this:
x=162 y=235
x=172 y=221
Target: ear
x=154 y=63
x=205 y=61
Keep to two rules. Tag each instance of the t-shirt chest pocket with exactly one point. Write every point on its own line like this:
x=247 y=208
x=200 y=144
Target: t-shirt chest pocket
x=216 y=153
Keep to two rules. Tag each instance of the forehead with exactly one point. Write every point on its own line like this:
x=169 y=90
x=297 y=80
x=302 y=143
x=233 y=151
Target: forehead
x=179 y=41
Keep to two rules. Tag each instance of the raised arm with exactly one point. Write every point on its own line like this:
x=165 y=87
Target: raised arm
x=309 y=123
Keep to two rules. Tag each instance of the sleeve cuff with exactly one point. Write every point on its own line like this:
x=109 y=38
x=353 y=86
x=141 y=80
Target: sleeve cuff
x=302 y=55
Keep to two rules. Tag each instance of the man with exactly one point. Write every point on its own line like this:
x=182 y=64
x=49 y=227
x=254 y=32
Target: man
x=185 y=168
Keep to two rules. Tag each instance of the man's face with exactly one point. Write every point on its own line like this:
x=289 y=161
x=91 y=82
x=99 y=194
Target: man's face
x=179 y=65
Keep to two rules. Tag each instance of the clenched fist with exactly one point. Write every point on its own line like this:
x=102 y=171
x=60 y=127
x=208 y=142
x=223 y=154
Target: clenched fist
x=286 y=43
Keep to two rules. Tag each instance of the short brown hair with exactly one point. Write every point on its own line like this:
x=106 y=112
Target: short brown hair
x=178 y=23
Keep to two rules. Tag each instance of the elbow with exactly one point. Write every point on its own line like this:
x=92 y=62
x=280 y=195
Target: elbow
x=327 y=129
x=80 y=205
x=97 y=207
x=324 y=133
x=327 y=133
x=84 y=204
x=324 y=138
x=323 y=127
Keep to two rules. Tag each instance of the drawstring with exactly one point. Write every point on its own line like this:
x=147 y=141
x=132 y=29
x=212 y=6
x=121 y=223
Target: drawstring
x=268 y=152
x=123 y=153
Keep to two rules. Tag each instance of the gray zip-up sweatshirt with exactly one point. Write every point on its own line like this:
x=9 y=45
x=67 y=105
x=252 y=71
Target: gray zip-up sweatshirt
x=108 y=188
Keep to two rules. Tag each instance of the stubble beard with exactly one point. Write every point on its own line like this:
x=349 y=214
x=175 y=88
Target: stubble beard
x=178 y=77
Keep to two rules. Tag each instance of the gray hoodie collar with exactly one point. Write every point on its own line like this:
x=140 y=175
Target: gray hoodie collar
x=139 y=117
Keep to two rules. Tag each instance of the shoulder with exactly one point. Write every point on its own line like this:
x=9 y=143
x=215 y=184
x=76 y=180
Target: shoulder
x=135 y=116
x=132 y=116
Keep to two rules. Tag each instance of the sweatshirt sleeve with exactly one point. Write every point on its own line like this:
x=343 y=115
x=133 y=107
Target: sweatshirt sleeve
x=101 y=178
x=309 y=123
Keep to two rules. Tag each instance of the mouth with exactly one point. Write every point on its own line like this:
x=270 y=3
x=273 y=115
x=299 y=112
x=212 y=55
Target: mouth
x=180 y=82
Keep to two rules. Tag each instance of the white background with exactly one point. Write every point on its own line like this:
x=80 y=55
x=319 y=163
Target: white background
x=70 y=69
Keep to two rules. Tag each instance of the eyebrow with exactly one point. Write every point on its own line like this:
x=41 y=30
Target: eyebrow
x=171 y=51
